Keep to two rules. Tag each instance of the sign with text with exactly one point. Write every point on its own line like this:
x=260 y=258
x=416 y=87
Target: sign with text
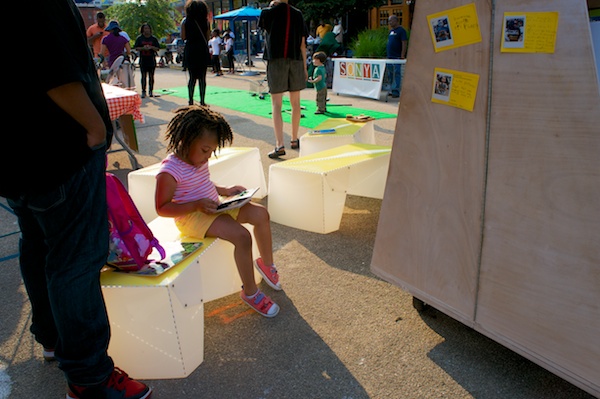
x=361 y=77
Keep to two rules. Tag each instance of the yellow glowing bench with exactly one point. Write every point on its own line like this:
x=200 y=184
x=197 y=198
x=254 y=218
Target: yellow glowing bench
x=157 y=322
x=346 y=132
x=309 y=192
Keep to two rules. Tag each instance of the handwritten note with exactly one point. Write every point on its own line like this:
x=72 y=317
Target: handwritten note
x=454 y=28
x=455 y=88
x=529 y=32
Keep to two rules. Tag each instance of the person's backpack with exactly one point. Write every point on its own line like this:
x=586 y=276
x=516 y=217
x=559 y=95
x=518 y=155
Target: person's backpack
x=131 y=240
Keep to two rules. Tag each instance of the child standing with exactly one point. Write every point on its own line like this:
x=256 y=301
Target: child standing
x=185 y=192
x=319 y=79
x=215 y=44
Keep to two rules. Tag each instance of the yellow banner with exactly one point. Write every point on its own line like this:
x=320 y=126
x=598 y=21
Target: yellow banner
x=454 y=28
x=454 y=88
x=529 y=32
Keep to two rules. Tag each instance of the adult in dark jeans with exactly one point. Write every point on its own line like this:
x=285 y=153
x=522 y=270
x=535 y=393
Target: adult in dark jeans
x=396 y=50
x=54 y=180
x=285 y=52
x=195 y=30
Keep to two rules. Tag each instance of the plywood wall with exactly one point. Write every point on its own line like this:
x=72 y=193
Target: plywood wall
x=540 y=269
x=429 y=235
x=493 y=216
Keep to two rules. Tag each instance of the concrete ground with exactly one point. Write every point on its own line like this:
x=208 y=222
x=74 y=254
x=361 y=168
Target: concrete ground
x=342 y=333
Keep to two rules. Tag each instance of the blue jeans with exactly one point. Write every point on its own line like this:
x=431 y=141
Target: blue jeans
x=63 y=246
x=394 y=73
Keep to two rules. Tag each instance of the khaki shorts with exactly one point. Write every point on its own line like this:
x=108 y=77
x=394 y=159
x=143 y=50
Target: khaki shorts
x=196 y=224
x=284 y=75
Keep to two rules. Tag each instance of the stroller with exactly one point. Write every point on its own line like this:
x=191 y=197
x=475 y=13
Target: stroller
x=121 y=73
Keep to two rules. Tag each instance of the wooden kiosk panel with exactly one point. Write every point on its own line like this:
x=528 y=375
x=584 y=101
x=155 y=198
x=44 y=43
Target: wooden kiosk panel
x=428 y=237
x=540 y=267
x=492 y=216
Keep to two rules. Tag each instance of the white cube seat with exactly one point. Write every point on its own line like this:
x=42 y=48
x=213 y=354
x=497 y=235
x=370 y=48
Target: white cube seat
x=309 y=192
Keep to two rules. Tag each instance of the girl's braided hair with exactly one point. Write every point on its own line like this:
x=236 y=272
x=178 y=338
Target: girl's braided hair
x=192 y=122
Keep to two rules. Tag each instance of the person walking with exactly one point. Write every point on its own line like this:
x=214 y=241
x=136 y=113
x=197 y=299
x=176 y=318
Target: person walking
x=196 y=56
x=147 y=44
x=285 y=52
x=397 y=45
x=61 y=210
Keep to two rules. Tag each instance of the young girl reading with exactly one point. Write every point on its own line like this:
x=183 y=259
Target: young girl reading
x=185 y=192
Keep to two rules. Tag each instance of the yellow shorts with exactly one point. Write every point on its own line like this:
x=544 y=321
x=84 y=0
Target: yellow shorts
x=196 y=224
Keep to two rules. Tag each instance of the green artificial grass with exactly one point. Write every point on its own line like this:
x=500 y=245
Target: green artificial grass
x=245 y=101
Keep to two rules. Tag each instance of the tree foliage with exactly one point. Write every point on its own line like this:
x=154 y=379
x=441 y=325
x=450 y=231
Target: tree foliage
x=160 y=14
x=327 y=9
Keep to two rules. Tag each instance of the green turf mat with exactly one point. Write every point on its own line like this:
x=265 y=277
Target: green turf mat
x=244 y=101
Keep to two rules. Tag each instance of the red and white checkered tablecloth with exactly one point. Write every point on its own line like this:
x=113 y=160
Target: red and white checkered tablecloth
x=121 y=102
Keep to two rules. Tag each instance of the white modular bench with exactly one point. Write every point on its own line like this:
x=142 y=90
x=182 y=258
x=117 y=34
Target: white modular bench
x=231 y=166
x=309 y=192
x=157 y=322
x=346 y=132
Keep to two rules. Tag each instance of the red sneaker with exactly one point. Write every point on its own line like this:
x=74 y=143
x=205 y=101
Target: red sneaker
x=261 y=303
x=117 y=386
x=269 y=273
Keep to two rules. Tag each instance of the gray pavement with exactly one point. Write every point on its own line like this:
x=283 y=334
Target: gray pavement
x=342 y=333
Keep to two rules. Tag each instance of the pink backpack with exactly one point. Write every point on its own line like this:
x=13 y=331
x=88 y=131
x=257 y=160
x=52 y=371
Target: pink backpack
x=131 y=241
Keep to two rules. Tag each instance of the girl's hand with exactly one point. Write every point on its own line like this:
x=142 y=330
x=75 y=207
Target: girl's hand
x=231 y=190
x=206 y=205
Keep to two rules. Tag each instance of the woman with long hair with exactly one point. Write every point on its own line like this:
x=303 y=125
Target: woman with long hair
x=196 y=57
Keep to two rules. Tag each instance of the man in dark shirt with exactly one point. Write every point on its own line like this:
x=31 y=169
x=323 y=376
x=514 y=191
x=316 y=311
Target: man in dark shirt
x=285 y=52
x=53 y=176
x=396 y=50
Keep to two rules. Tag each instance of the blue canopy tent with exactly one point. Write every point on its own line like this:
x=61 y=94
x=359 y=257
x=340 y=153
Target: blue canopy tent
x=247 y=15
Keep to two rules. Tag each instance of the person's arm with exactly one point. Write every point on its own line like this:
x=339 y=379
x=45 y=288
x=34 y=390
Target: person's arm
x=404 y=47
x=74 y=100
x=163 y=199
x=93 y=36
x=183 y=35
x=128 y=49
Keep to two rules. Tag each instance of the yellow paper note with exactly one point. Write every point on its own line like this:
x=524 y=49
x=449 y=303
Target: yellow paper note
x=454 y=88
x=454 y=28
x=529 y=32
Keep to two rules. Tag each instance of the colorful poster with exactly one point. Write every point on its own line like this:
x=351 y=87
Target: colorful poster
x=454 y=28
x=454 y=88
x=529 y=32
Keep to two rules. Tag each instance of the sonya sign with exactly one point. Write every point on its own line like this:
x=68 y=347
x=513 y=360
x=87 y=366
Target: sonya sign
x=361 y=70
x=361 y=77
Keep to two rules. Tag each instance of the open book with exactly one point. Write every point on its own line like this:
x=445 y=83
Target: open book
x=237 y=200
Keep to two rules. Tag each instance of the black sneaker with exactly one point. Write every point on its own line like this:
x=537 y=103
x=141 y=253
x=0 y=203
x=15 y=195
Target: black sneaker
x=117 y=386
x=277 y=152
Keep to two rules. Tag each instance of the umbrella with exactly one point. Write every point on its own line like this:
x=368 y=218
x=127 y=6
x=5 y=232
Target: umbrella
x=243 y=14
